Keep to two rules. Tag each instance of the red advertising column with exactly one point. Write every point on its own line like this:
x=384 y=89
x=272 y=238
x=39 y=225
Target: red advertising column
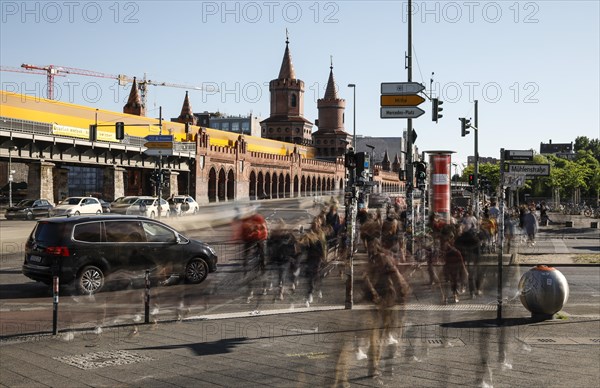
x=440 y=169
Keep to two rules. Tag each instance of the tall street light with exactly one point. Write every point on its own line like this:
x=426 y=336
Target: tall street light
x=10 y=174
x=353 y=86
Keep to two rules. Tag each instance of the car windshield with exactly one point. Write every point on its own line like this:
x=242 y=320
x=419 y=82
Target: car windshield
x=25 y=203
x=145 y=201
x=125 y=200
x=71 y=201
x=179 y=200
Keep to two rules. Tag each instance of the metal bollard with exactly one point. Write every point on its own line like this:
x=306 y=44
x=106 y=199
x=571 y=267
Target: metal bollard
x=55 y=289
x=147 y=297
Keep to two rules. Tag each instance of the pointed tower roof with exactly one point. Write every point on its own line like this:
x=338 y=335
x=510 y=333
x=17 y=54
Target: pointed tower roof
x=186 y=109
x=134 y=94
x=330 y=91
x=134 y=102
x=187 y=114
x=287 y=68
x=386 y=158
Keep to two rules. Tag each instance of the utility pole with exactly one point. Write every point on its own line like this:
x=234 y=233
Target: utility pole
x=476 y=173
x=160 y=169
x=409 y=129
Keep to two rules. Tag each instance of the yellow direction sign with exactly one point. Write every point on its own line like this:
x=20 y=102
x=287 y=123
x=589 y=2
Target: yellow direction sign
x=401 y=100
x=158 y=144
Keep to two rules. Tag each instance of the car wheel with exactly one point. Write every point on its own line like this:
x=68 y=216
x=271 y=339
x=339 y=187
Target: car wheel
x=196 y=271
x=29 y=216
x=98 y=212
x=90 y=280
x=9 y=218
x=77 y=213
x=152 y=215
x=195 y=211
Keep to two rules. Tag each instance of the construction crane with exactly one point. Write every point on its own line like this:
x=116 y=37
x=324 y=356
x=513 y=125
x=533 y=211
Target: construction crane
x=52 y=71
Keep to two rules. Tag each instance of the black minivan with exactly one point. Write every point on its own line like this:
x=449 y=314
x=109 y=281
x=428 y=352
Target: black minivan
x=85 y=251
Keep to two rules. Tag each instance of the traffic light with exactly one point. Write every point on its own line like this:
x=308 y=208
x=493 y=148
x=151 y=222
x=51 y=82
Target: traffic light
x=166 y=177
x=363 y=163
x=120 y=130
x=464 y=125
x=421 y=174
x=484 y=183
x=349 y=160
x=471 y=179
x=93 y=132
x=436 y=109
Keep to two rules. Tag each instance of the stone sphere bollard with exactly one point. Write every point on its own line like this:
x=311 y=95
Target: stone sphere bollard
x=543 y=290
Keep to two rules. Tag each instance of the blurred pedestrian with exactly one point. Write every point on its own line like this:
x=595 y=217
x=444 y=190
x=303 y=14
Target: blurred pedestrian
x=253 y=232
x=384 y=286
x=314 y=244
x=530 y=225
x=281 y=247
x=454 y=267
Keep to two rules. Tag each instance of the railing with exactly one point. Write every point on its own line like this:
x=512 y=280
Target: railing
x=38 y=128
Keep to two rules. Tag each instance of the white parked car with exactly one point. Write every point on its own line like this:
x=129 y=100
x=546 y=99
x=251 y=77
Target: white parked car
x=184 y=205
x=74 y=206
x=121 y=205
x=148 y=206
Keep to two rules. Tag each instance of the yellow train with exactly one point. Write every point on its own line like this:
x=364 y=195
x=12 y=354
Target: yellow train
x=74 y=120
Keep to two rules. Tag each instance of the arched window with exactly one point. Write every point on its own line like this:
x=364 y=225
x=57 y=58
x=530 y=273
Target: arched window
x=294 y=101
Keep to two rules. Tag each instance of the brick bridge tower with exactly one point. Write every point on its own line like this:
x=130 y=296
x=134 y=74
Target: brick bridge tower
x=331 y=140
x=286 y=121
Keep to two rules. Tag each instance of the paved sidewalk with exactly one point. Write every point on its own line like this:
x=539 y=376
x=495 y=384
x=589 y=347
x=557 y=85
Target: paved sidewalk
x=447 y=347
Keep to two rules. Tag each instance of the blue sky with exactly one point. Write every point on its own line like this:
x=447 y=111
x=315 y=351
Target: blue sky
x=532 y=65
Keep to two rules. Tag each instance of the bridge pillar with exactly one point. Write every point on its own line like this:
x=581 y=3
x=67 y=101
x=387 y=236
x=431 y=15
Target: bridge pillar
x=114 y=183
x=40 y=180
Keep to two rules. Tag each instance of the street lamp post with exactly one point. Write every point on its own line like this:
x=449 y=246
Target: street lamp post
x=353 y=86
x=10 y=175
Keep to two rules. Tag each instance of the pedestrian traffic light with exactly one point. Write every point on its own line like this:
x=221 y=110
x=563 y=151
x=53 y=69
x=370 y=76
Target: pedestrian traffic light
x=120 y=130
x=93 y=132
x=464 y=125
x=436 y=109
x=363 y=164
x=471 y=179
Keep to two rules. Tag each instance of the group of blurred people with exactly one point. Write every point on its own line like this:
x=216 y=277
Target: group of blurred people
x=278 y=256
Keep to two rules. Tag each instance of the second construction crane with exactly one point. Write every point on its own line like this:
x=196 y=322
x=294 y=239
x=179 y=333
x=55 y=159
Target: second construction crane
x=52 y=71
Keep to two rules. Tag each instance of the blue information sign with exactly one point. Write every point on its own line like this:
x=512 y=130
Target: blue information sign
x=159 y=138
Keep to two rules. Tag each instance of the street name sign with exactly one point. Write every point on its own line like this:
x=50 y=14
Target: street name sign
x=401 y=88
x=401 y=100
x=157 y=138
x=408 y=112
x=518 y=155
x=528 y=169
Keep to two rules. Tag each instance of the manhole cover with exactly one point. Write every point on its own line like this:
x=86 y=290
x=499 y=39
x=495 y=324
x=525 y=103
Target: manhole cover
x=102 y=359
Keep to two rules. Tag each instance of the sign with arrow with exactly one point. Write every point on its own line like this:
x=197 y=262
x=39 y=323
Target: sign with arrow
x=408 y=112
x=401 y=88
x=401 y=100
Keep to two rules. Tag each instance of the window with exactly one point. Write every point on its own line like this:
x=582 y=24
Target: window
x=158 y=233
x=235 y=126
x=245 y=127
x=124 y=231
x=293 y=101
x=90 y=232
